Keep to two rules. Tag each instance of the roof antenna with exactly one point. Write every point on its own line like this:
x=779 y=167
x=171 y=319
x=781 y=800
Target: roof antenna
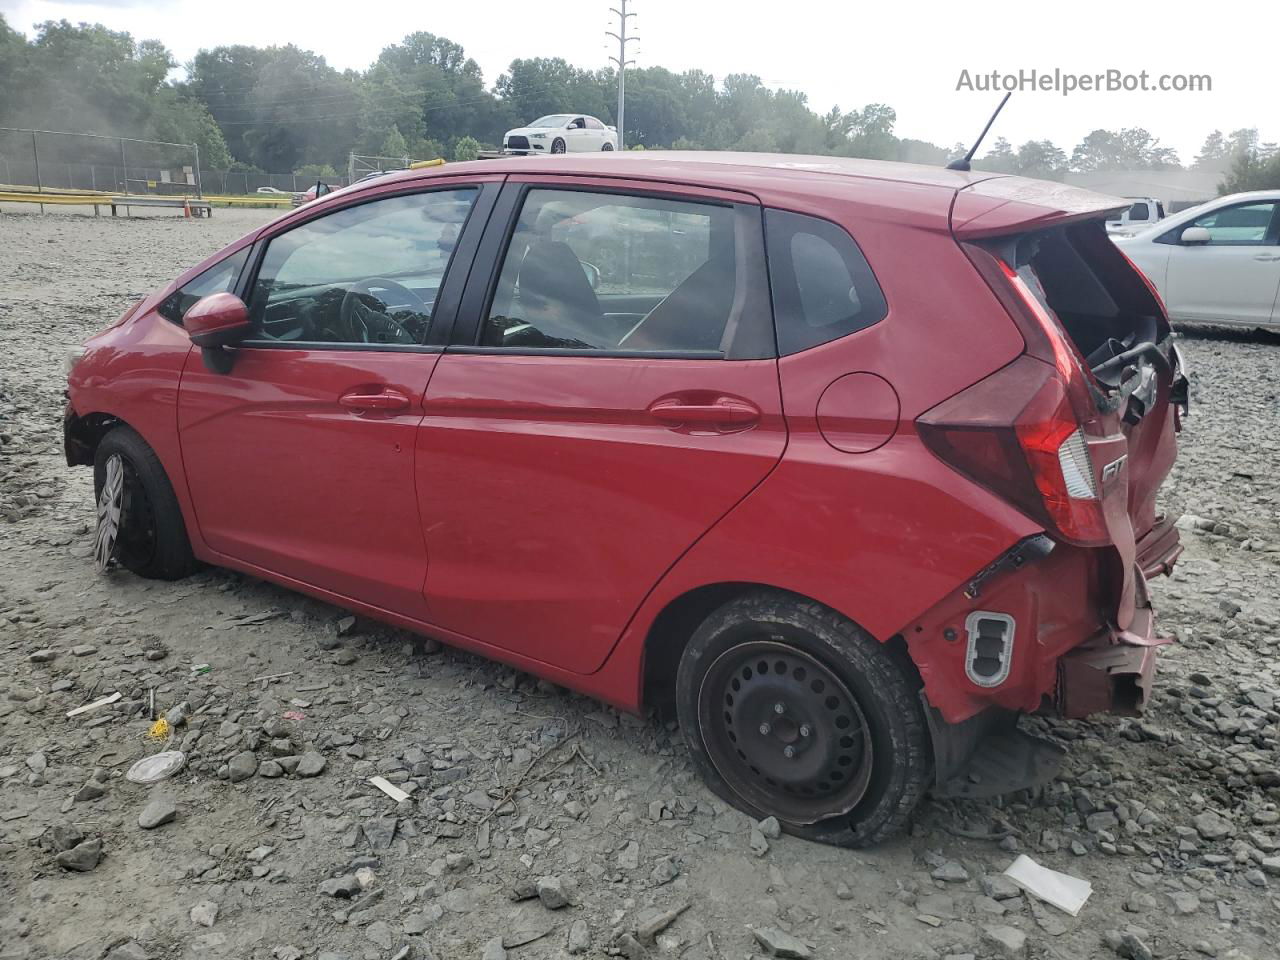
x=963 y=162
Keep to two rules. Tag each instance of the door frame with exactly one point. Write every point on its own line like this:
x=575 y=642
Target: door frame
x=457 y=272
x=754 y=337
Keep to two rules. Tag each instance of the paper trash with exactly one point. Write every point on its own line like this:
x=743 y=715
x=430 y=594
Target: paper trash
x=1062 y=890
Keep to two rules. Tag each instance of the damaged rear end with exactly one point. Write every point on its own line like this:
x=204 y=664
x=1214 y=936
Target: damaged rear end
x=1078 y=433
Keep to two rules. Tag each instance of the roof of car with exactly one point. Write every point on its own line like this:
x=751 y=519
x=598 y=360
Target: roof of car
x=725 y=169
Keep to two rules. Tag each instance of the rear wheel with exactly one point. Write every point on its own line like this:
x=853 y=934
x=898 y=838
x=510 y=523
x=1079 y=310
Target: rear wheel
x=557 y=145
x=607 y=146
x=140 y=524
x=791 y=710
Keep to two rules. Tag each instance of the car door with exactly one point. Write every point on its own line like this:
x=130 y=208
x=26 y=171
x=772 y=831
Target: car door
x=612 y=392
x=1234 y=277
x=577 y=136
x=300 y=459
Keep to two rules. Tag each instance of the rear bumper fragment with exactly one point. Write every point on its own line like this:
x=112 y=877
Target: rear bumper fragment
x=1112 y=672
x=1159 y=548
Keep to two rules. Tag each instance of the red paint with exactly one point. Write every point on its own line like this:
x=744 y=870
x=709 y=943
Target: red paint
x=858 y=413
x=546 y=510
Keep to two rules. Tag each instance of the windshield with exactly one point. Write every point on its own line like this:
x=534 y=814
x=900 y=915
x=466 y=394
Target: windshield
x=554 y=120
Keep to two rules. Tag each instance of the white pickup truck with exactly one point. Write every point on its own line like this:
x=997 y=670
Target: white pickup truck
x=1142 y=213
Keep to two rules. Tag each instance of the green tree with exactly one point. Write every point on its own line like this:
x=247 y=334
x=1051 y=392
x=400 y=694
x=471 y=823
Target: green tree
x=467 y=148
x=1252 y=170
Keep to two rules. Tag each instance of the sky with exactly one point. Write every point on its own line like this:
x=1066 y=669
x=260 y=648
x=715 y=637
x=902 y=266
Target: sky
x=908 y=55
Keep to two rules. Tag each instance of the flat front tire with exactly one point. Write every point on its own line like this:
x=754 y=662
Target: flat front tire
x=791 y=710
x=140 y=524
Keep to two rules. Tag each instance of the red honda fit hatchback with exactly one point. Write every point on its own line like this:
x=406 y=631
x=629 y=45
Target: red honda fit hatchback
x=852 y=462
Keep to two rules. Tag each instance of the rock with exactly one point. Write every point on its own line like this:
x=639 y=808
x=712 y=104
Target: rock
x=494 y=950
x=90 y=791
x=423 y=920
x=204 y=913
x=951 y=872
x=999 y=887
x=129 y=950
x=554 y=892
x=344 y=626
x=770 y=827
x=380 y=831
x=311 y=764
x=81 y=858
x=1007 y=942
x=759 y=845
x=1271 y=865
x=344 y=887
x=779 y=943
x=84 y=650
x=652 y=922
x=579 y=937
x=1211 y=826
x=843 y=891
x=345 y=658
x=64 y=836
x=1184 y=903
x=1133 y=947
x=242 y=766
x=937 y=905
x=177 y=715
x=158 y=812
x=42 y=656
x=379 y=934
x=37 y=762
x=270 y=769
x=664 y=871
x=629 y=856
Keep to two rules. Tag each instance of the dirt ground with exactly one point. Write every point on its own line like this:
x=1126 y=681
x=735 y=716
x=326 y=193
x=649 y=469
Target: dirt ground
x=1174 y=819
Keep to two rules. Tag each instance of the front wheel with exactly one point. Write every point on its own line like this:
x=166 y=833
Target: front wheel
x=791 y=710
x=557 y=145
x=140 y=524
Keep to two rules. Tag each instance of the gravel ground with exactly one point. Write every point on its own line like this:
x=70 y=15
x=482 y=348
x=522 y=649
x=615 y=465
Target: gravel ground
x=539 y=823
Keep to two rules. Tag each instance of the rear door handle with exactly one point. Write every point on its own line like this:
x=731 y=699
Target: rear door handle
x=1267 y=257
x=724 y=411
x=366 y=399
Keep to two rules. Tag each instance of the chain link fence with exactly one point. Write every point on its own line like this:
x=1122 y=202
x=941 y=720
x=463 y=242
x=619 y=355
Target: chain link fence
x=55 y=161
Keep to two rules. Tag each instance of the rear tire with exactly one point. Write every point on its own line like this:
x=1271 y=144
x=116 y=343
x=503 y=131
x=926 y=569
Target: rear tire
x=830 y=737
x=151 y=536
x=606 y=147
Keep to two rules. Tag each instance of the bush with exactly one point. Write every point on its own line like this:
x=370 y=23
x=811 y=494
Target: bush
x=315 y=171
x=467 y=148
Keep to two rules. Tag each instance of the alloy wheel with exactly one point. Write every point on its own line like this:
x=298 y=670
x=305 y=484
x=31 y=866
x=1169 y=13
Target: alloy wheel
x=785 y=732
x=110 y=508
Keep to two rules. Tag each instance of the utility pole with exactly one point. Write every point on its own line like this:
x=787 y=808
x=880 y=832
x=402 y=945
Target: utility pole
x=622 y=62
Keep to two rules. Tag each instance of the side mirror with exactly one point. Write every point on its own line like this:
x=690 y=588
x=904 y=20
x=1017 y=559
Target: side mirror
x=593 y=274
x=1195 y=236
x=215 y=323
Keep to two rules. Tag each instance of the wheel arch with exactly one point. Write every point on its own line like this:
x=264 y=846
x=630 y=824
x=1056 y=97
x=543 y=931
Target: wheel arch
x=83 y=432
x=674 y=625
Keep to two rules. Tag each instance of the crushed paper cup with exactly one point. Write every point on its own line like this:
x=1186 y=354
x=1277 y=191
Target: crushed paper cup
x=157 y=767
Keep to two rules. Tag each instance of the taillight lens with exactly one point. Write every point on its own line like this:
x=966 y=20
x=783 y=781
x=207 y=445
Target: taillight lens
x=1015 y=432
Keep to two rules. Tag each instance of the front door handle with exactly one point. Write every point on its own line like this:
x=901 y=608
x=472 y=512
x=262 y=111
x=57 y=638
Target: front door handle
x=720 y=412
x=366 y=399
x=1268 y=257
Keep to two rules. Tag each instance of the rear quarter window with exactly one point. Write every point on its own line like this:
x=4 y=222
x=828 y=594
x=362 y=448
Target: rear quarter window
x=823 y=288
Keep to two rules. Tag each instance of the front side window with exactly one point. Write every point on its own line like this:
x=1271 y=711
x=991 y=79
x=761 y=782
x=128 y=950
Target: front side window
x=1248 y=224
x=823 y=288
x=220 y=278
x=616 y=272
x=367 y=274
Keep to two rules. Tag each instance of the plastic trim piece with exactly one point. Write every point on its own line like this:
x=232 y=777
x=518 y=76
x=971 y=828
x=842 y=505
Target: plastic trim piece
x=972 y=626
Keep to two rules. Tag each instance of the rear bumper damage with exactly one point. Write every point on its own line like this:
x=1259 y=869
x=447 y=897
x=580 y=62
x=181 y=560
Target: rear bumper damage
x=983 y=753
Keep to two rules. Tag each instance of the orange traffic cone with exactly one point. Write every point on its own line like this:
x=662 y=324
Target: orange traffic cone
x=186 y=208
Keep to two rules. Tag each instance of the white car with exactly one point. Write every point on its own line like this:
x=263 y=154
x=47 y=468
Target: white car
x=1216 y=263
x=561 y=133
x=273 y=191
x=1142 y=213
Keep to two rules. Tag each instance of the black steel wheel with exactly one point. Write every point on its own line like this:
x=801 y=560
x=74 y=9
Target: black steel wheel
x=140 y=524
x=791 y=710
x=557 y=145
x=785 y=732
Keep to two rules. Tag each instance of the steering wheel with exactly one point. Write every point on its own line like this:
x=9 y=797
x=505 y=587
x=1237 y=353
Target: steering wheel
x=368 y=325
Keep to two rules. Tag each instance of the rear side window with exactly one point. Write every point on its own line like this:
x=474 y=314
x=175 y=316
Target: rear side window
x=823 y=288
x=1139 y=211
x=220 y=278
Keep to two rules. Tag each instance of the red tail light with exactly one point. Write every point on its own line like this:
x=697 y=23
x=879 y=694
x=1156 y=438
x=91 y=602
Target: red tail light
x=1016 y=433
